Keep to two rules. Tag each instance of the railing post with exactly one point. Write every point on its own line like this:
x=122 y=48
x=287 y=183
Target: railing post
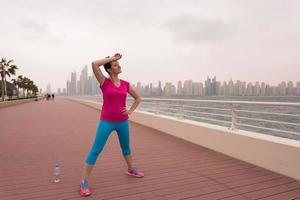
x=233 y=118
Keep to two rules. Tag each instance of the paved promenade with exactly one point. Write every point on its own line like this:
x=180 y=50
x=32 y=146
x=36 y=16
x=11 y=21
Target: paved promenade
x=36 y=135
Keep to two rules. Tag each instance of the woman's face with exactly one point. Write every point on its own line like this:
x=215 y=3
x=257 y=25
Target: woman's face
x=115 y=68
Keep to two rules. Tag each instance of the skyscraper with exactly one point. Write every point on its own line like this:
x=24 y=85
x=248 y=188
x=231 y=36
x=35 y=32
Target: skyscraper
x=169 y=89
x=159 y=88
x=236 y=88
x=188 y=87
x=231 y=88
x=197 y=89
x=179 y=88
x=263 y=89
x=78 y=89
x=290 y=88
x=151 y=89
x=84 y=81
x=68 y=92
x=139 y=88
x=224 y=89
x=282 y=88
x=147 y=90
x=256 y=91
x=208 y=87
x=73 y=84
x=249 y=90
x=214 y=86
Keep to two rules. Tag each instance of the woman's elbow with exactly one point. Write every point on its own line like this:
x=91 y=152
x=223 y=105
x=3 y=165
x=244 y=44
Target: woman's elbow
x=138 y=99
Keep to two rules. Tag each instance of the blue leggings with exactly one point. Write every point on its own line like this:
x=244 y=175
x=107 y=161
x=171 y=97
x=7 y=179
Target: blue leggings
x=103 y=132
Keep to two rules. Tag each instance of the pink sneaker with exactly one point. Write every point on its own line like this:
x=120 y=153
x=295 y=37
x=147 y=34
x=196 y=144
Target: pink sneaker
x=134 y=171
x=84 y=188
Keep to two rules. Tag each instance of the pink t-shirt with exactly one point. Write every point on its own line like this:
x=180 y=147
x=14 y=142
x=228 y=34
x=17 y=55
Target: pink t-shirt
x=114 y=99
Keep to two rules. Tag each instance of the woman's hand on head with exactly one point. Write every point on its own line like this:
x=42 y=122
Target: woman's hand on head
x=117 y=56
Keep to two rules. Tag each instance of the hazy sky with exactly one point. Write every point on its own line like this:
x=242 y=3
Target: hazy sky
x=249 y=40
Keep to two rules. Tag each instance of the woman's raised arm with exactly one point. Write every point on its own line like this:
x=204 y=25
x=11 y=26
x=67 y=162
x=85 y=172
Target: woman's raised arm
x=97 y=63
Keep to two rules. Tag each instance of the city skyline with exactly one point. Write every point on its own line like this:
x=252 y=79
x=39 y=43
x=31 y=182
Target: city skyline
x=87 y=84
x=165 y=40
x=197 y=80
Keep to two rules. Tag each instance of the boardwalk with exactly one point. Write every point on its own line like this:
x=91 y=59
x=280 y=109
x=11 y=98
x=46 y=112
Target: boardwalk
x=34 y=136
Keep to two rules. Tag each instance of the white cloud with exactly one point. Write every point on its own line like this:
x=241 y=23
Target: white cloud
x=187 y=28
x=166 y=40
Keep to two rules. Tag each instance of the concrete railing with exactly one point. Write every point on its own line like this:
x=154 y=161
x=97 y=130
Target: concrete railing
x=280 y=155
x=4 y=104
x=281 y=119
x=251 y=116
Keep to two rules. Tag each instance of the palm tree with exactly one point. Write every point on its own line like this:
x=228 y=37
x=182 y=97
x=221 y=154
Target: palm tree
x=26 y=82
x=35 y=90
x=30 y=86
x=6 y=69
x=16 y=83
x=23 y=83
x=20 y=80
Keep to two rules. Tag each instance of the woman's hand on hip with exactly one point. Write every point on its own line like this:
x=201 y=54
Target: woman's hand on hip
x=125 y=111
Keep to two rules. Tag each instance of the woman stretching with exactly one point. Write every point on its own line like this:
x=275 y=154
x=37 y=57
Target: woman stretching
x=114 y=116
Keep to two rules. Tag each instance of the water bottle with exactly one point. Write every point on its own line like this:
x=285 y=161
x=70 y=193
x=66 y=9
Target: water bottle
x=56 y=173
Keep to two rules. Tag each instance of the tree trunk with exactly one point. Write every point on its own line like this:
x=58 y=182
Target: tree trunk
x=2 y=86
x=2 y=89
x=5 y=89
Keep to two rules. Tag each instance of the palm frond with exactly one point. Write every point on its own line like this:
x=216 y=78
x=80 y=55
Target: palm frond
x=10 y=61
